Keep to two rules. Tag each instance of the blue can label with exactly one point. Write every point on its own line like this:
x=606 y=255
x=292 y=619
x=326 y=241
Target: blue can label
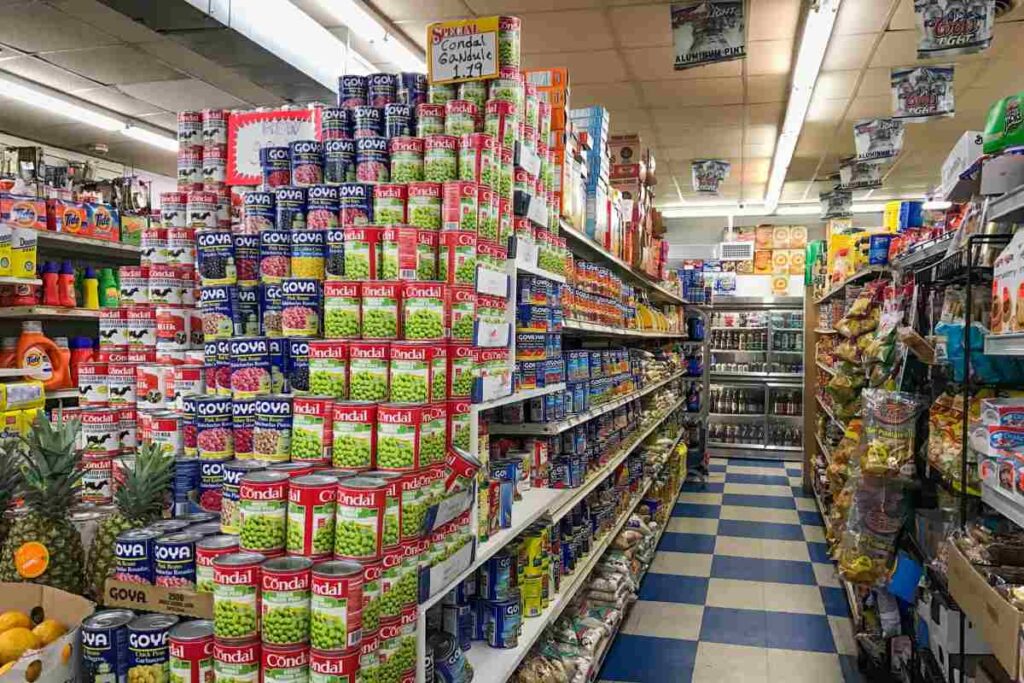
x=213 y=427
x=275 y=255
x=307 y=162
x=300 y=307
x=250 y=366
x=276 y=352
x=372 y=160
x=367 y=122
x=339 y=161
x=334 y=255
x=351 y=91
x=211 y=482
x=247 y=259
x=322 y=207
x=217 y=304
x=105 y=646
x=243 y=419
x=297 y=365
x=176 y=560
x=270 y=309
x=258 y=211
x=272 y=436
x=186 y=484
x=133 y=556
x=215 y=253
x=247 y=310
x=335 y=124
x=502 y=623
x=397 y=120
x=290 y=208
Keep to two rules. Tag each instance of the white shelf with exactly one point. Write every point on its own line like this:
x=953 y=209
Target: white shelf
x=48 y=313
x=8 y=280
x=740 y=329
x=596 y=329
x=756 y=376
x=1005 y=344
x=1007 y=208
x=1008 y=506
x=537 y=271
x=741 y=446
x=823 y=330
x=552 y=428
x=62 y=394
x=76 y=246
x=859 y=276
x=519 y=396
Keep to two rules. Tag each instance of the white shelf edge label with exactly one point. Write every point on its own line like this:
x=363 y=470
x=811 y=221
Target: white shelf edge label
x=491 y=282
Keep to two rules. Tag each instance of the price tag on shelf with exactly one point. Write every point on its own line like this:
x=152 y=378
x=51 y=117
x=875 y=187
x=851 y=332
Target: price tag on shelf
x=491 y=282
x=463 y=50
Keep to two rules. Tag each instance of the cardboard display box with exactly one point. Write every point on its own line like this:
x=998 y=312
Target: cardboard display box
x=58 y=662
x=1000 y=622
x=139 y=596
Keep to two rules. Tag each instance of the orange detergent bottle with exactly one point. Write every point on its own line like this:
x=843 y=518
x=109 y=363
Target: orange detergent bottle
x=40 y=357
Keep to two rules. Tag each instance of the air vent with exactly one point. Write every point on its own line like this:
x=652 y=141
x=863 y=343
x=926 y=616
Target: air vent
x=1004 y=6
x=737 y=251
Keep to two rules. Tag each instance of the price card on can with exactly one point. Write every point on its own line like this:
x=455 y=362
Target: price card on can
x=463 y=50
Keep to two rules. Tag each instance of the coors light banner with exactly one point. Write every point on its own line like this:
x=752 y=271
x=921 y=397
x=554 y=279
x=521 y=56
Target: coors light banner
x=878 y=140
x=859 y=175
x=708 y=174
x=707 y=31
x=922 y=93
x=836 y=204
x=953 y=27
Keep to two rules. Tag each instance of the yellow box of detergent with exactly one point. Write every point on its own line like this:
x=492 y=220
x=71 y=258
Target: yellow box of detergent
x=22 y=395
x=6 y=234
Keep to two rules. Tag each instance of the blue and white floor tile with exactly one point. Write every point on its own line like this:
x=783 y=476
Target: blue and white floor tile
x=741 y=588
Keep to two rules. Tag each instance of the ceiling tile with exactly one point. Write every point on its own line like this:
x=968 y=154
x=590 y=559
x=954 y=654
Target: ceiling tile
x=773 y=19
x=642 y=26
x=862 y=16
x=870 y=107
x=628 y=120
x=35 y=27
x=758 y=150
x=686 y=118
x=573 y=31
x=847 y=52
x=762 y=89
x=761 y=134
x=182 y=94
x=769 y=57
x=904 y=19
x=35 y=69
x=700 y=92
x=109 y=20
x=825 y=111
x=111 y=98
x=115 y=65
x=766 y=113
x=657 y=63
x=485 y=7
x=876 y=83
x=835 y=85
x=592 y=66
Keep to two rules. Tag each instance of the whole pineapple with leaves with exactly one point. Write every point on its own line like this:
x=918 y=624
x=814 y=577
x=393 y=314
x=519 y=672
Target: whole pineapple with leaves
x=43 y=546
x=10 y=481
x=139 y=502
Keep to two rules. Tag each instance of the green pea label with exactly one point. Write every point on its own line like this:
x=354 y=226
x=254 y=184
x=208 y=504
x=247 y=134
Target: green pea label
x=380 y=310
x=342 y=318
x=284 y=605
x=263 y=511
x=234 y=602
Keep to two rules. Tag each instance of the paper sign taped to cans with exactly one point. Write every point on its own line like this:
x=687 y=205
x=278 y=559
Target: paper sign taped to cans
x=859 y=175
x=837 y=203
x=708 y=174
x=922 y=93
x=878 y=140
x=463 y=50
x=953 y=27
x=707 y=31
x=249 y=131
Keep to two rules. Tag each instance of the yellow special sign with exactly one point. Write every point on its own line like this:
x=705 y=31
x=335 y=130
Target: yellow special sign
x=462 y=50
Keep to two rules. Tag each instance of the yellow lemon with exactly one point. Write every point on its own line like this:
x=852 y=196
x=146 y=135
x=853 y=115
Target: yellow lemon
x=49 y=630
x=15 y=642
x=14 y=619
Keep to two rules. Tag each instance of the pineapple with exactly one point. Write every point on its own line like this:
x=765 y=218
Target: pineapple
x=43 y=546
x=139 y=502
x=10 y=482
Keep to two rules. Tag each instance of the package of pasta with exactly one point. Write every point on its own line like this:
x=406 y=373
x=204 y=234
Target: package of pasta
x=890 y=429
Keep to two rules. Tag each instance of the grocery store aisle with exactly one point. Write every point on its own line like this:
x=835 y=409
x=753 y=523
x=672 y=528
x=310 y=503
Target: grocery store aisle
x=741 y=588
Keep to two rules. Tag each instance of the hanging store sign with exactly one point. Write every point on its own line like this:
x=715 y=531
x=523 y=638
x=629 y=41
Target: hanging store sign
x=708 y=174
x=922 y=93
x=707 y=31
x=878 y=140
x=953 y=27
x=249 y=131
x=463 y=50
x=859 y=175
x=836 y=204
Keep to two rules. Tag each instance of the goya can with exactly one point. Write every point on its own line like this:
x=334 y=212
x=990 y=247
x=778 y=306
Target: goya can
x=397 y=120
x=367 y=121
x=190 y=645
x=322 y=207
x=336 y=605
x=372 y=160
x=250 y=366
x=333 y=667
x=275 y=257
x=230 y=517
x=209 y=549
x=311 y=512
x=263 y=502
x=308 y=253
x=307 y=162
x=238 y=662
x=355 y=202
x=134 y=556
x=273 y=428
x=360 y=518
x=185 y=486
x=243 y=420
x=175 y=560
x=214 y=438
x=354 y=426
x=211 y=484
x=105 y=646
x=335 y=124
x=284 y=664
x=284 y=600
x=290 y=208
x=351 y=91
x=275 y=166
x=257 y=211
x=148 y=651
x=301 y=307
x=236 y=596
x=339 y=161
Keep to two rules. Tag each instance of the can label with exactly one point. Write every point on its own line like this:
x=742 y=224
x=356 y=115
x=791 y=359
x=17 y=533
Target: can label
x=235 y=599
x=237 y=662
x=263 y=514
x=206 y=553
x=285 y=664
x=284 y=606
x=312 y=434
x=336 y=607
x=354 y=435
x=311 y=511
x=191 y=660
x=175 y=560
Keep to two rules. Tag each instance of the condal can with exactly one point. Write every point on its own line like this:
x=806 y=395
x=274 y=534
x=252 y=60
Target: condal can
x=311 y=511
x=284 y=601
x=209 y=549
x=105 y=646
x=236 y=661
x=230 y=516
x=97 y=481
x=263 y=502
x=312 y=433
x=333 y=667
x=236 y=596
x=284 y=664
x=99 y=433
x=191 y=652
x=336 y=605
x=360 y=518
x=148 y=649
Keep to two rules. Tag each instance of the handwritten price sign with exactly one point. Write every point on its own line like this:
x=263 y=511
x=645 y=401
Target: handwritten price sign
x=465 y=50
x=248 y=131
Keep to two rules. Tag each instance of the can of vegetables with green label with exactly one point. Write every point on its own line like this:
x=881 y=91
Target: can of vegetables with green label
x=410 y=372
x=284 y=600
x=488 y=220
x=343 y=309
x=371 y=594
x=460 y=303
x=360 y=518
x=312 y=433
x=368 y=370
x=311 y=511
x=236 y=661
x=236 y=596
x=426 y=254
x=398 y=437
x=425 y=205
x=392 y=506
x=406 y=159
x=458 y=423
x=461 y=369
x=459 y=208
x=456 y=260
x=440 y=158
x=328 y=368
x=423 y=311
x=284 y=664
x=389 y=200
x=491 y=255
x=362 y=252
x=263 y=502
x=380 y=309
x=433 y=434
x=478 y=159
x=234 y=470
x=355 y=430
x=336 y=605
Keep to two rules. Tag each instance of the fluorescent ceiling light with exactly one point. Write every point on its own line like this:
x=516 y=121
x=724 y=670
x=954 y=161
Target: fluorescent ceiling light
x=734 y=210
x=813 y=44
x=363 y=24
x=62 y=106
x=291 y=34
x=151 y=138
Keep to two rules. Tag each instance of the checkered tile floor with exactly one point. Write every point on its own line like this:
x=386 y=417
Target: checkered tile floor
x=741 y=588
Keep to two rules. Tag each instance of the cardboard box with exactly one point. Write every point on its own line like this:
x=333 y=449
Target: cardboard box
x=554 y=77
x=132 y=228
x=23 y=212
x=1000 y=622
x=1007 y=304
x=626 y=149
x=763 y=237
x=69 y=217
x=780 y=261
x=798 y=237
x=158 y=599
x=964 y=153
x=60 y=660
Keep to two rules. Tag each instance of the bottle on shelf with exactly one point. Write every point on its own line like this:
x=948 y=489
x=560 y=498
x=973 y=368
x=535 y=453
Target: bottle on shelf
x=51 y=285
x=90 y=290
x=109 y=292
x=66 y=285
x=39 y=356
